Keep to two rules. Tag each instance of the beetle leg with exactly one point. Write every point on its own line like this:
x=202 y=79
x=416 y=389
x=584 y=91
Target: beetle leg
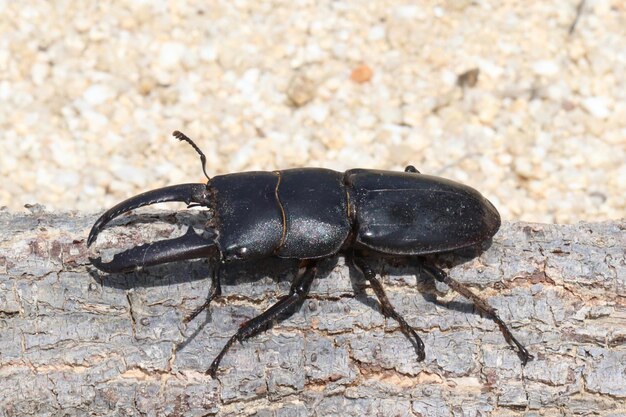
x=216 y=291
x=189 y=246
x=411 y=168
x=482 y=306
x=387 y=308
x=297 y=294
x=188 y=193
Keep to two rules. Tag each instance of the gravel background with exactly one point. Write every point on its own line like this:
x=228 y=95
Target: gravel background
x=90 y=91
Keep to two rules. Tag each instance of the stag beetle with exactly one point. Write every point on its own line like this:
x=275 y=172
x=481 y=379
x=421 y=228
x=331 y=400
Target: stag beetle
x=314 y=213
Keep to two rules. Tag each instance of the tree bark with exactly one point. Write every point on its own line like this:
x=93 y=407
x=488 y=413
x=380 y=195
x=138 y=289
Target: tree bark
x=75 y=341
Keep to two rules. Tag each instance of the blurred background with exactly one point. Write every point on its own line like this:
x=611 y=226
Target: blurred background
x=525 y=101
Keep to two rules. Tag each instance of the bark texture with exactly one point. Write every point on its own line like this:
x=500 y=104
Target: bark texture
x=75 y=341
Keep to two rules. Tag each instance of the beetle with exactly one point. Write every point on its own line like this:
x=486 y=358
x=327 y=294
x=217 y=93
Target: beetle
x=313 y=213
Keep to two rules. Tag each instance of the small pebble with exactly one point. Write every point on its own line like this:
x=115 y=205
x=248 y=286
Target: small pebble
x=98 y=94
x=597 y=107
x=361 y=74
x=301 y=90
x=171 y=54
x=545 y=68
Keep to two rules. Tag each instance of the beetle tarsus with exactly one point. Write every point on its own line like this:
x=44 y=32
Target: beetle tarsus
x=297 y=294
x=482 y=306
x=182 y=137
x=387 y=308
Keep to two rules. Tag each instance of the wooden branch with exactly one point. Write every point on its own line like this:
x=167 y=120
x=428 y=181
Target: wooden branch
x=75 y=341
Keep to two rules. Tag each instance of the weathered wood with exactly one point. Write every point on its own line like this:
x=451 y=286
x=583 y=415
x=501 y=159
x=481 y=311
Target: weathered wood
x=74 y=341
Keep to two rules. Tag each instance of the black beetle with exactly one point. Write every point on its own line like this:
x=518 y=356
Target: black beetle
x=315 y=213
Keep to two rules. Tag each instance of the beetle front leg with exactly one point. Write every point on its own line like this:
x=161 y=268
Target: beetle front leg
x=387 y=308
x=482 y=306
x=297 y=294
x=216 y=291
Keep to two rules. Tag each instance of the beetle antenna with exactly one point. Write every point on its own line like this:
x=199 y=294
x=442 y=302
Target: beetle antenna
x=182 y=137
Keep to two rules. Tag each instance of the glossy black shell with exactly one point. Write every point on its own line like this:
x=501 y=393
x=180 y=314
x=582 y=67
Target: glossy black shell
x=310 y=213
x=295 y=213
x=404 y=213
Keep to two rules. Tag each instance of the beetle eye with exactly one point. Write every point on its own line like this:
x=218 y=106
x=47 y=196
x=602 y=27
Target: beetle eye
x=237 y=253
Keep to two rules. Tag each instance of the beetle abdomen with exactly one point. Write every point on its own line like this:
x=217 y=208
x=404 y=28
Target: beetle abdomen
x=413 y=214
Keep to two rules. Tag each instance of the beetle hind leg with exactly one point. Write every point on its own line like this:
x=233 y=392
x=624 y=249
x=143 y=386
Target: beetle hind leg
x=387 y=308
x=482 y=306
x=286 y=304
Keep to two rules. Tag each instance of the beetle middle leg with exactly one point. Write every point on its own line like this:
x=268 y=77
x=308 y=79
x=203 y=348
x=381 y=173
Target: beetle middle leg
x=297 y=294
x=387 y=308
x=482 y=306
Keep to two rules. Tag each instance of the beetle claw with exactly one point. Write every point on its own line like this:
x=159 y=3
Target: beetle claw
x=187 y=193
x=189 y=246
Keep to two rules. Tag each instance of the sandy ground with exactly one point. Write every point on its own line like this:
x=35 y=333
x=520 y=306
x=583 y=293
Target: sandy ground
x=510 y=97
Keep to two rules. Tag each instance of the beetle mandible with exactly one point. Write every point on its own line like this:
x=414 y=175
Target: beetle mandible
x=314 y=213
